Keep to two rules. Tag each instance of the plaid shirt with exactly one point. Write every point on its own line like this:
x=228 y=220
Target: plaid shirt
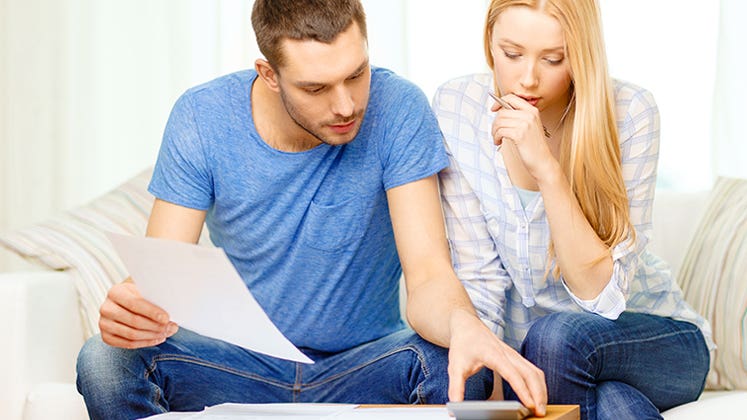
x=499 y=247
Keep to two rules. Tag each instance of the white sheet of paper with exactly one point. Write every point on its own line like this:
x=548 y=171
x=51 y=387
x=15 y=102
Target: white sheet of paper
x=306 y=411
x=301 y=411
x=286 y=411
x=396 y=413
x=201 y=290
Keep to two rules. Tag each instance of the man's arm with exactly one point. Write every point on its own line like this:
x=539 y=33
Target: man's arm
x=438 y=307
x=127 y=320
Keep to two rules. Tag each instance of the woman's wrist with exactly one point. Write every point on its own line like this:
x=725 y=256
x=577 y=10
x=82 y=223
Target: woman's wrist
x=551 y=176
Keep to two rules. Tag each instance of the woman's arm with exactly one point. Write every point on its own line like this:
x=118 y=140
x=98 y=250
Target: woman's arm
x=577 y=247
x=602 y=287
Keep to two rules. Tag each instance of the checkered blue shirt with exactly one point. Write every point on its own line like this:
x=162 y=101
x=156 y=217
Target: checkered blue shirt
x=499 y=247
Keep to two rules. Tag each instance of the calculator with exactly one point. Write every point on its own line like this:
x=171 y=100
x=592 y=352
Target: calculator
x=488 y=410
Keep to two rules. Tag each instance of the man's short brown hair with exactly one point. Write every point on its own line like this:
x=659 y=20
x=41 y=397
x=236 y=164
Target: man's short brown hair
x=318 y=20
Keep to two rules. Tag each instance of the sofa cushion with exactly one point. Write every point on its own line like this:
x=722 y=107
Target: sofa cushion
x=712 y=277
x=711 y=405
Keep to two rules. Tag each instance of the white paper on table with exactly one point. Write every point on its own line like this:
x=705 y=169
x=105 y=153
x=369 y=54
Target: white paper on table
x=301 y=411
x=396 y=413
x=201 y=290
x=172 y=415
x=305 y=411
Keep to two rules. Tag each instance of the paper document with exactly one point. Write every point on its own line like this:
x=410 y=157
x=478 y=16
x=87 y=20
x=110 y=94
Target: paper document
x=396 y=413
x=305 y=411
x=274 y=411
x=201 y=290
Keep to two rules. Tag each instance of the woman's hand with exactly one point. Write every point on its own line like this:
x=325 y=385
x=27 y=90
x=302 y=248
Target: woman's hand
x=523 y=127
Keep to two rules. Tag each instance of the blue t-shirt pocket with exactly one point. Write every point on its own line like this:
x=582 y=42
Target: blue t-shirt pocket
x=334 y=227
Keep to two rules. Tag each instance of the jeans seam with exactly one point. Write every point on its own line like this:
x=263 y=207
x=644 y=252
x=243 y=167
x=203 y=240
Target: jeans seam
x=419 y=392
x=596 y=349
x=157 y=396
x=200 y=362
x=643 y=340
x=372 y=361
x=298 y=383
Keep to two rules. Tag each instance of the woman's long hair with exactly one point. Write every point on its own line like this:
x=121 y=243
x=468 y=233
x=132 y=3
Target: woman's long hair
x=590 y=149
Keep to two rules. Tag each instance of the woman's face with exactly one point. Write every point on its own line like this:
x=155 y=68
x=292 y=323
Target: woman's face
x=529 y=58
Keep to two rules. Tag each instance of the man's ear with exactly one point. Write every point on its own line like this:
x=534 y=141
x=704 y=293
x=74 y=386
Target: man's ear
x=267 y=74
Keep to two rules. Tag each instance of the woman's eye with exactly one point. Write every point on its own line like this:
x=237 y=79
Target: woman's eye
x=511 y=55
x=554 y=61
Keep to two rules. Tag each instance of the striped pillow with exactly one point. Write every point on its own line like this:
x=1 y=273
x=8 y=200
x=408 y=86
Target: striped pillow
x=714 y=283
x=74 y=241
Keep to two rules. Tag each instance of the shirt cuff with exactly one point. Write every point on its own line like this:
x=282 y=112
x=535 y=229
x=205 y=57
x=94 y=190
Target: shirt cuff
x=610 y=303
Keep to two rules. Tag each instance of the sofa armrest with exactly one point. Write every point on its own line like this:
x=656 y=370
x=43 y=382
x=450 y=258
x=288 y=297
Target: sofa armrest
x=42 y=334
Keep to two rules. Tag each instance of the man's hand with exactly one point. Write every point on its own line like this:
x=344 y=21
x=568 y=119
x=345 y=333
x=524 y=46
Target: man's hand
x=473 y=346
x=129 y=321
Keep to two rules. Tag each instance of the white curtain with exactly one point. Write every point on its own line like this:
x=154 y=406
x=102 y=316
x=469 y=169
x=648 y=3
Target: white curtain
x=87 y=85
x=428 y=41
x=730 y=100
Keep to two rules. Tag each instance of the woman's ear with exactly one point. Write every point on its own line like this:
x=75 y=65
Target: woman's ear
x=267 y=74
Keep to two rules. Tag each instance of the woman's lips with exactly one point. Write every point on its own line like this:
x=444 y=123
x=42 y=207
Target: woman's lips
x=532 y=100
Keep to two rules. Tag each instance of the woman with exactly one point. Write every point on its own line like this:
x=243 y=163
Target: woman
x=549 y=229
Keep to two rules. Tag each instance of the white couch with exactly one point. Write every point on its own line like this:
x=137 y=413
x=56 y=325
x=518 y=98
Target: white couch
x=43 y=330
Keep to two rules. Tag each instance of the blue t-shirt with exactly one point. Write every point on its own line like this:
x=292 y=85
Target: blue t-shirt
x=309 y=232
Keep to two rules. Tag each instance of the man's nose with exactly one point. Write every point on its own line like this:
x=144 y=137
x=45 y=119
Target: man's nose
x=342 y=102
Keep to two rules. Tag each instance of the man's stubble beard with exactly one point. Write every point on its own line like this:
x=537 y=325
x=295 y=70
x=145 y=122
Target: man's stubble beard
x=307 y=126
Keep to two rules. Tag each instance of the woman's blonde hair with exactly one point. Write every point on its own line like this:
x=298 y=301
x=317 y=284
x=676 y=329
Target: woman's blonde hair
x=590 y=150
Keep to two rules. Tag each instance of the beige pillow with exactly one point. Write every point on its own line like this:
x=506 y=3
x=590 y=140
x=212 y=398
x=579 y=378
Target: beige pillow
x=714 y=280
x=74 y=241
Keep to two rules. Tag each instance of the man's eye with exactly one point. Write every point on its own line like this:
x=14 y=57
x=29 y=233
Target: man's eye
x=314 y=90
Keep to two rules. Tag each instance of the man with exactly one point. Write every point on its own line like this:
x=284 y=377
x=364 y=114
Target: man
x=306 y=170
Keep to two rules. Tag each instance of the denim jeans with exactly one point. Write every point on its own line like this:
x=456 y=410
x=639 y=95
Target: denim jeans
x=630 y=368
x=190 y=371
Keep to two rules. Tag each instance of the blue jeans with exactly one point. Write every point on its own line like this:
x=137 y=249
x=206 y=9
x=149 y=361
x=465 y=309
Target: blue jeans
x=190 y=371
x=630 y=368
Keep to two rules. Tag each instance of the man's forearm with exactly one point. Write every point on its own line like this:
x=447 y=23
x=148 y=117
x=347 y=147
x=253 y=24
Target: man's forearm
x=432 y=307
